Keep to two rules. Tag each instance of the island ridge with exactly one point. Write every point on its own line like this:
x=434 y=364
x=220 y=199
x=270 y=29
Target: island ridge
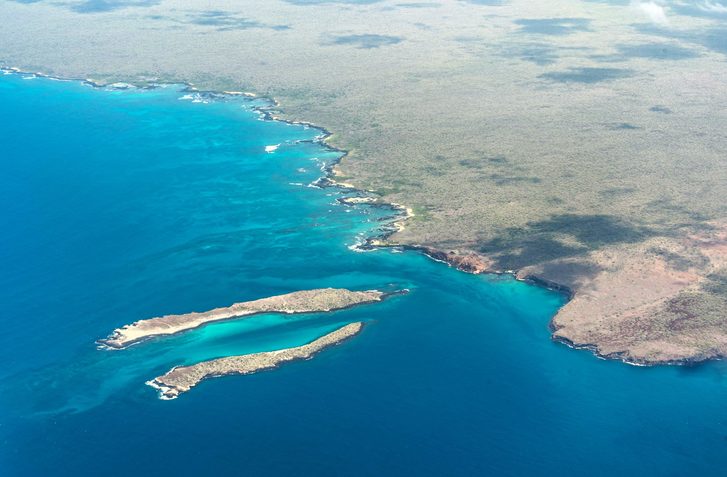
x=183 y=378
x=306 y=301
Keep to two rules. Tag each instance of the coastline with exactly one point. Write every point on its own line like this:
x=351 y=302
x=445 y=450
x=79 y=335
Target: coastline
x=267 y=113
x=469 y=262
x=695 y=361
x=556 y=160
x=328 y=179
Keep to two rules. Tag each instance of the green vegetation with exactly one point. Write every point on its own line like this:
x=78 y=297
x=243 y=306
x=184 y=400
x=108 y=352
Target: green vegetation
x=534 y=141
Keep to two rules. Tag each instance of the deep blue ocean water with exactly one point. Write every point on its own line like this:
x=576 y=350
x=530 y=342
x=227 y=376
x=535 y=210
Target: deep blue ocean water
x=122 y=205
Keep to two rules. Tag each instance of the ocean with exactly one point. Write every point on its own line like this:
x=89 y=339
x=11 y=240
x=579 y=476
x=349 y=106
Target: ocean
x=123 y=204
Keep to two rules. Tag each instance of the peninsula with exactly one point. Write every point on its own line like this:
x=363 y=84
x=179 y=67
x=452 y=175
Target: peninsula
x=183 y=378
x=306 y=301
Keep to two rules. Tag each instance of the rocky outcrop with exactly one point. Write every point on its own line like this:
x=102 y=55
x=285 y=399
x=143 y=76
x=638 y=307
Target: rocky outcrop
x=659 y=301
x=181 y=379
x=307 y=301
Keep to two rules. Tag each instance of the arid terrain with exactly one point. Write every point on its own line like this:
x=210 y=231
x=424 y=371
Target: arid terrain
x=581 y=143
x=304 y=301
x=183 y=378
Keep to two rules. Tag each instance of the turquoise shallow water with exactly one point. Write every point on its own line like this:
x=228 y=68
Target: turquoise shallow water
x=122 y=205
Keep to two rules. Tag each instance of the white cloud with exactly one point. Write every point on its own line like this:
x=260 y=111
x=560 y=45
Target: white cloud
x=714 y=7
x=655 y=12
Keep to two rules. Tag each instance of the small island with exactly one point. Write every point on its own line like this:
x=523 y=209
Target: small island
x=305 y=301
x=183 y=378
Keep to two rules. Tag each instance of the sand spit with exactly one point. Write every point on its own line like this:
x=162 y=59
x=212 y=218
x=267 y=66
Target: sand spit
x=181 y=379
x=306 y=301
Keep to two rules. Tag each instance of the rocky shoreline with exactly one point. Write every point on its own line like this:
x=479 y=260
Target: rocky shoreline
x=675 y=352
x=626 y=358
x=467 y=261
x=306 y=301
x=183 y=378
x=613 y=314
